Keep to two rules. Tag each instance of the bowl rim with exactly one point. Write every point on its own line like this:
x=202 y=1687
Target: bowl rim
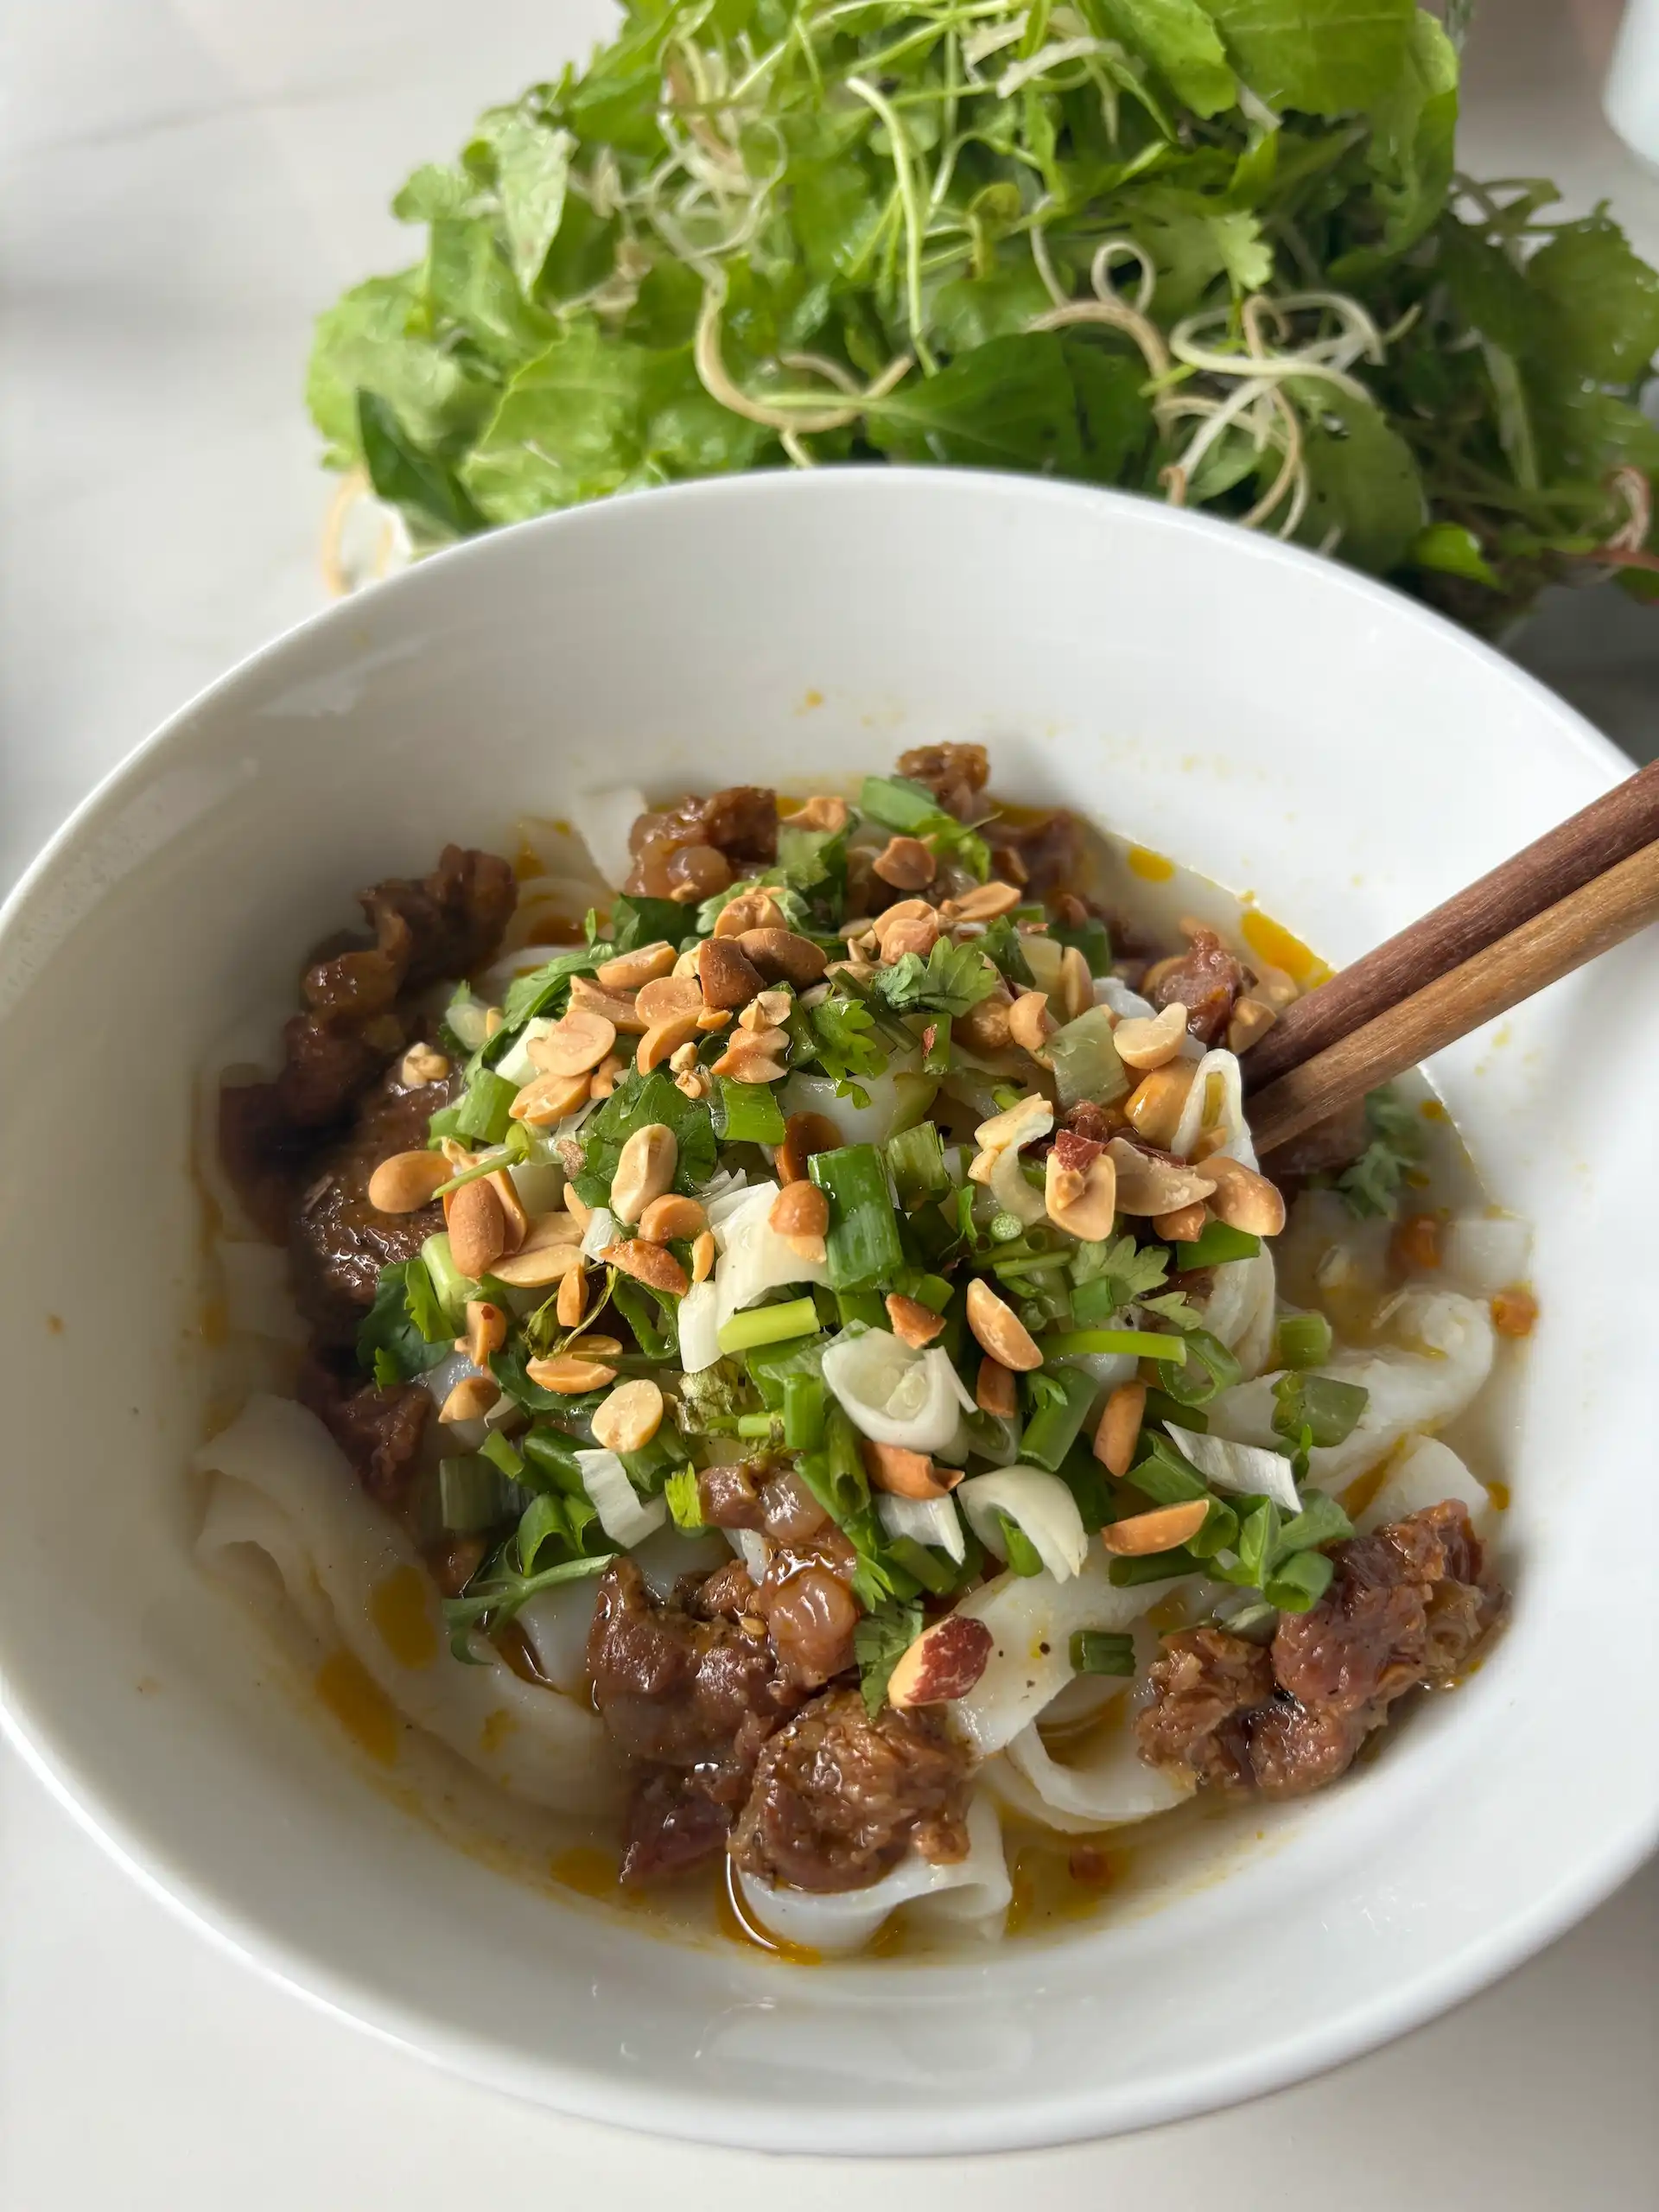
x=1021 y=2121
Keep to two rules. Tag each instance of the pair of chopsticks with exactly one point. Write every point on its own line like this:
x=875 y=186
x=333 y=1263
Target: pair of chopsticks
x=1579 y=890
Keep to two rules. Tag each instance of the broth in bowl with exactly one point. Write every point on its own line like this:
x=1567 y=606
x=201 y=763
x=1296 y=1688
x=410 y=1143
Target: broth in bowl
x=762 y=1332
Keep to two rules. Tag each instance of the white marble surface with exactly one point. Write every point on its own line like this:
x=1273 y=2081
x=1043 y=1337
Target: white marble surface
x=183 y=183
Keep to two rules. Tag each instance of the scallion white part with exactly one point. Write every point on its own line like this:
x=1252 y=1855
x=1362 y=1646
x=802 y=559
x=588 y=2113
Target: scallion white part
x=1241 y=1470
x=752 y=1548
x=515 y=1065
x=931 y=1520
x=1114 y=995
x=699 y=1327
x=893 y=1392
x=754 y=1258
x=896 y=1097
x=626 y=1517
x=602 y=820
x=1216 y=1101
x=1040 y=1506
x=600 y=1232
x=1013 y=1194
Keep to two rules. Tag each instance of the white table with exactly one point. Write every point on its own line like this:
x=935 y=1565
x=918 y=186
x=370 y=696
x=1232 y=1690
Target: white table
x=184 y=185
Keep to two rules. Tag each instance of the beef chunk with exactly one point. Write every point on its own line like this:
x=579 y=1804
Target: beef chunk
x=728 y=1497
x=694 y=1699
x=338 y=1242
x=1330 y=1144
x=1041 y=857
x=379 y=1431
x=449 y=922
x=697 y=846
x=1206 y=979
x=955 y=774
x=1406 y=1605
x=837 y=1797
x=1203 y=1679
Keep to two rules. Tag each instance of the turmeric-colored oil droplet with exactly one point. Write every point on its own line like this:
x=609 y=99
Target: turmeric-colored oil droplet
x=811 y=698
x=1434 y=1110
x=1150 y=867
x=589 y=1871
x=400 y=1607
x=527 y=862
x=1515 y=1312
x=359 y=1704
x=1271 y=941
x=1499 y=1494
x=212 y=1321
x=497 y=1726
x=54 y=1325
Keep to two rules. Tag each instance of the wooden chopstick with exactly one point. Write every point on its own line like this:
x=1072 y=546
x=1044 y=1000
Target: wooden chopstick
x=1582 y=847
x=1598 y=915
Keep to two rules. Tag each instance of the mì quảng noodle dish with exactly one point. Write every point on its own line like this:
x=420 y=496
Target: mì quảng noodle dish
x=805 y=1373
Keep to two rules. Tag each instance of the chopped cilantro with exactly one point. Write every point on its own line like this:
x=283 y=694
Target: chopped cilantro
x=1110 y=1275
x=636 y=1102
x=406 y=1330
x=1372 y=1186
x=953 y=979
x=880 y=1640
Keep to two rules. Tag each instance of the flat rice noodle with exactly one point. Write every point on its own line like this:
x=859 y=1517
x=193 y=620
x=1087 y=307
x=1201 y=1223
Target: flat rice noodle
x=258 y=1301
x=1441 y=1357
x=1426 y=1473
x=284 y=1497
x=1105 y=1784
x=971 y=1897
x=602 y=820
x=1031 y=1618
x=1483 y=1253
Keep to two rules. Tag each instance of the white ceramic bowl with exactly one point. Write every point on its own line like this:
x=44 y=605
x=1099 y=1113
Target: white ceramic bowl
x=1277 y=722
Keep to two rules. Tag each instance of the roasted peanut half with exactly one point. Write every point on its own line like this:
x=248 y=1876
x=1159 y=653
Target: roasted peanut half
x=1084 y=1204
x=575 y=1042
x=471 y=1399
x=651 y=1264
x=820 y=813
x=726 y=974
x=486 y=1331
x=421 y=1063
x=572 y=1301
x=943 y=1662
x=914 y=1323
x=703 y=1256
x=1242 y=1199
x=1153 y=1107
x=1184 y=1226
x=1146 y=1041
x=663 y=1038
x=1149 y=1185
x=668 y=996
x=568 y=1374
x=993 y=1390
x=478 y=1229
x=982 y=903
x=538 y=1265
x=629 y=971
x=783 y=957
x=1250 y=1020
x=1163 y=1530
x=1118 y=1429
x=615 y=1007
x=904 y=1473
x=1076 y=983
x=407 y=1181
x=645 y=1169
x=999 y=1330
x=799 y=1210
x=804 y=1134
x=606 y=1076
x=1030 y=1022
x=754 y=1056
x=672 y=1217
x=984 y=1027
x=545 y=1101
x=907 y=863
x=750 y=910
x=629 y=1418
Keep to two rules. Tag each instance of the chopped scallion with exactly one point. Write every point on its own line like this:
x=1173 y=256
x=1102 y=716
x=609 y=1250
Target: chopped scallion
x=916 y=1157
x=1021 y=1554
x=1301 y=1340
x=769 y=1324
x=1211 y=1367
x=805 y=1412
x=935 y=1570
x=746 y=1113
x=1328 y=1410
x=504 y=1454
x=862 y=1243
x=1099 y=1651
x=1053 y=1429
x=1156 y=1566
x=684 y=1503
x=1142 y=1344
x=482 y=1114
x=1321 y=1521
x=757 y=1424
x=1085 y=1061
x=473 y=1496
x=1215 y=1245
x=1299 y=1585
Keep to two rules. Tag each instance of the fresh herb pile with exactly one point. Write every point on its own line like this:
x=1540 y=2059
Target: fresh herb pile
x=1213 y=251
x=874 y=1317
